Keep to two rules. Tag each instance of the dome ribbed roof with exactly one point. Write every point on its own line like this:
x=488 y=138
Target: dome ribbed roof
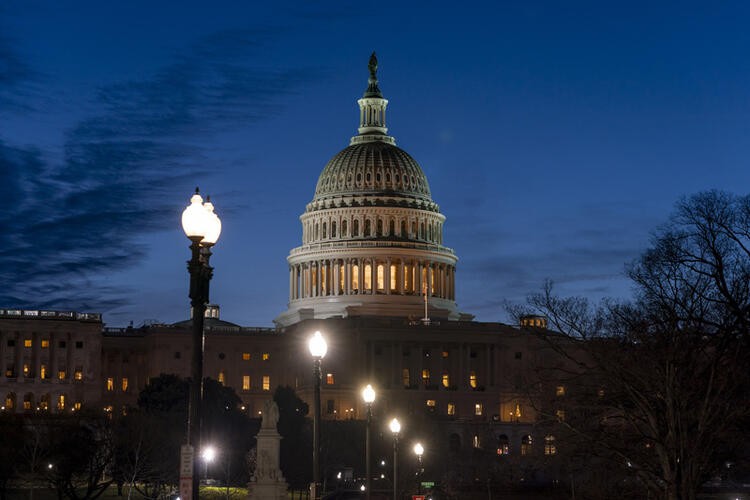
x=372 y=168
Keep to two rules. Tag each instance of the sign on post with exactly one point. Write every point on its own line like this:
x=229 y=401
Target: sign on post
x=186 y=471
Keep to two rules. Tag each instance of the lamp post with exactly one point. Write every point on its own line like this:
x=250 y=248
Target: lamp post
x=368 y=394
x=318 y=349
x=419 y=450
x=202 y=227
x=395 y=427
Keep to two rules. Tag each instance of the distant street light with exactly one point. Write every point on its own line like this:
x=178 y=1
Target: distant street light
x=318 y=348
x=368 y=394
x=419 y=450
x=395 y=427
x=203 y=227
x=208 y=455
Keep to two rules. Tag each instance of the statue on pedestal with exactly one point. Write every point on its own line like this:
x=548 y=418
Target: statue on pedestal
x=268 y=483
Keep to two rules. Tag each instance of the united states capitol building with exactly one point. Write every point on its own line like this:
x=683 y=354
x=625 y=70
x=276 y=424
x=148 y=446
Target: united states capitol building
x=372 y=273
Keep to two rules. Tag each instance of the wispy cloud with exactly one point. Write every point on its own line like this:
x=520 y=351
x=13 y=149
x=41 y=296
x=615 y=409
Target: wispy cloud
x=71 y=220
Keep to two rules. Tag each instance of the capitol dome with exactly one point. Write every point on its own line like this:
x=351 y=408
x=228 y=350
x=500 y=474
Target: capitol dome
x=372 y=241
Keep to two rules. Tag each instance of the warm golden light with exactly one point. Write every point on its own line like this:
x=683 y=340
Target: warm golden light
x=395 y=426
x=418 y=449
x=368 y=394
x=318 y=346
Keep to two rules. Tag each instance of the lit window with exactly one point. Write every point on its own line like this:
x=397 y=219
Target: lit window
x=43 y=372
x=245 y=356
x=61 y=374
x=222 y=377
x=27 y=342
x=426 y=376
x=246 y=382
x=560 y=390
x=381 y=277
x=45 y=343
x=394 y=277
x=475 y=441
x=266 y=383
x=26 y=369
x=600 y=392
x=10 y=401
x=355 y=272
x=445 y=354
x=431 y=403
x=26 y=404
x=478 y=408
x=329 y=378
x=518 y=410
x=124 y=384
x=549 y=445
x=526 y=445
x=77 y=405
x=110 y=384
x=451 y=409
x=446 y=380
x=368 y=276
x=503 y=446
x=560 y=415
x=78 y=374
x=44 y=403
x=266 y=356
x=405 y=377
x=473 y=379
x=10 y=370
x=61 y=402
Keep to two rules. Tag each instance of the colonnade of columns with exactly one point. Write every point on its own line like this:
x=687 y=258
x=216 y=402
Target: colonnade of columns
x=387 y=276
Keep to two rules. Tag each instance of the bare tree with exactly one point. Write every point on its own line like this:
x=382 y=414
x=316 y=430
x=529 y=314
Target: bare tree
x=658 y=386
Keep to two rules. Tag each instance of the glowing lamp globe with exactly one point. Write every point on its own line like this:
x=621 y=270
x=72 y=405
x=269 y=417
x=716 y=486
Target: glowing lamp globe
x=418 y=449
x=395 y=426
x=318 y=346
x=368 y=394
x=213 y=224
x=195 y=217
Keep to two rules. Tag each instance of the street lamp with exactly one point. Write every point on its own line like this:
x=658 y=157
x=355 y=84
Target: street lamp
x=395 y=427
x=368 y=394
x=208 y=455
x=202 y=227
x=318 y=349
x=419 y=450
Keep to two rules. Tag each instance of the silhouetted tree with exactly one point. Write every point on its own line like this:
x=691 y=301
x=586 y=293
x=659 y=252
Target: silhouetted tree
x=295 y=428
x=658 y=386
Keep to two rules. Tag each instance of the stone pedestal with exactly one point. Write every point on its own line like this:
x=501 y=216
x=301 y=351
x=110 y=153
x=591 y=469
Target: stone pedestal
x=268 y=483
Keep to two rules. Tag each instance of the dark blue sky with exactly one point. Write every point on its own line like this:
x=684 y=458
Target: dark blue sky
x=555 y=136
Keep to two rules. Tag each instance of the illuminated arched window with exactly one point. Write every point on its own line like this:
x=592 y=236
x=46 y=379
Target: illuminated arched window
x=368 y=277
x=526 y=444
x=446 y=379
x=394 y=277
x=222 y=377
x=381 y=277
x=426 y=376
x=10 y=401
x=549 y=445
x=61 y=402
x=355 y=278
x=44 y=402
x=473 y=379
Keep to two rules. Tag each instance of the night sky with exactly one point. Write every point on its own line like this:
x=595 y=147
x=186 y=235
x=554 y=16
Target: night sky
x=556 y=137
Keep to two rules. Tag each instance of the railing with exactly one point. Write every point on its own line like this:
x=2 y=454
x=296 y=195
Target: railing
x=38 y=313
x=348 y=244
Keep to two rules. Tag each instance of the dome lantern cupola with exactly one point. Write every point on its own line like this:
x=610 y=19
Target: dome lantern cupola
x=372 y=111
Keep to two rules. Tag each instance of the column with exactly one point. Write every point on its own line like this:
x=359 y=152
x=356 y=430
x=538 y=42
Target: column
x=387 y=276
